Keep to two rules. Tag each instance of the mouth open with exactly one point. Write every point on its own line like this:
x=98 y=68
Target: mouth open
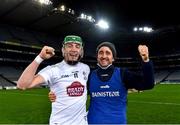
x=73 y=54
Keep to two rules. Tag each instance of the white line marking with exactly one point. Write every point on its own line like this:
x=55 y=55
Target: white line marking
x=157 y=103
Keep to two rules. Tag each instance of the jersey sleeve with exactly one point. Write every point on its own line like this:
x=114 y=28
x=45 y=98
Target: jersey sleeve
x=140 y=81
x=46 y=73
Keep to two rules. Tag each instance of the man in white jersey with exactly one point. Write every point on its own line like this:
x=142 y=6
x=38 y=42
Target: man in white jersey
x=66 y=79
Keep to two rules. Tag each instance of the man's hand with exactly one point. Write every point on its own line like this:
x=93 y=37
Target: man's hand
x=144 y=53
x=52 y=96
x=47 y=52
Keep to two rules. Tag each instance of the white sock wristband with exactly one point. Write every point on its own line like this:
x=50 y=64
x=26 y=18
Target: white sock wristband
x=38 y=59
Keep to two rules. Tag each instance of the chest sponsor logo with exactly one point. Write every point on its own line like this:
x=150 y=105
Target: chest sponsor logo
x=73 y=74
x=105 y=87
x=106 y=94
x=75 y=89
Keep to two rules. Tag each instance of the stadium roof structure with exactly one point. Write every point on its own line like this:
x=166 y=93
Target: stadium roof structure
x=129 y=13
x=122 y=16
x=34 y=15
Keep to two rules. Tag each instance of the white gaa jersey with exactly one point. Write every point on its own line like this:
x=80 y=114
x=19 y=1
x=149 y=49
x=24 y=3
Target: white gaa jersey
x=69 y=84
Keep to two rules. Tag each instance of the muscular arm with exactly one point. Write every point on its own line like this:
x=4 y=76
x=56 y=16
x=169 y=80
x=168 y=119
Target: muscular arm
x=28 y=79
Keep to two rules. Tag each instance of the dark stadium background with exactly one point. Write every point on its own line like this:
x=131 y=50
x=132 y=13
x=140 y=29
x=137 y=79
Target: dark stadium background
x=26 y=26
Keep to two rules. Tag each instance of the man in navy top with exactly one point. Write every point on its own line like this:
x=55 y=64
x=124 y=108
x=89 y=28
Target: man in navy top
x=108 y=85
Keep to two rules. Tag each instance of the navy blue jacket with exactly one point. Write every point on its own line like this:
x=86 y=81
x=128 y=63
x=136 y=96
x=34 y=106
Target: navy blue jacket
x=141 y=81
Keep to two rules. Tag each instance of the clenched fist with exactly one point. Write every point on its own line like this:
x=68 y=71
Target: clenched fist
x=144 y=53
x=47 y=52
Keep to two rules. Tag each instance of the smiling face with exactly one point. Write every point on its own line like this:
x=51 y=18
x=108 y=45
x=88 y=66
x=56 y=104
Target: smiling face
x=72 y=52
x=105 y=56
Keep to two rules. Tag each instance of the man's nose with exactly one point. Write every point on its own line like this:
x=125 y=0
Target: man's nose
x=103 y=55
x=74 y=48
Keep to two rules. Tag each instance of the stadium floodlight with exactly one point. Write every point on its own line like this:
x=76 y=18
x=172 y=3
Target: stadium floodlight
x=135 y=29
x=69 y=10
x=148 y=29
x=45 y=2
x=90 y=19
x=86 y=17
x=72 y=12
x=140 y=29
x=143 y=29
x=62 y=8
x=103 y=24
x=83 y=16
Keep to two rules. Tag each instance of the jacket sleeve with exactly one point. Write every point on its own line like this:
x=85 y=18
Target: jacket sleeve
x=140 y=81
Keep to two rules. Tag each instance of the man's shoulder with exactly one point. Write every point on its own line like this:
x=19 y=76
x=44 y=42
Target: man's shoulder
x=60 y=64
x=83 y=64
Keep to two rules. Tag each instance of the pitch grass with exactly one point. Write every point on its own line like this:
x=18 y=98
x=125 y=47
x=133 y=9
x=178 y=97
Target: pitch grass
x=23 y=107
x=160 y=105
x=157 y=106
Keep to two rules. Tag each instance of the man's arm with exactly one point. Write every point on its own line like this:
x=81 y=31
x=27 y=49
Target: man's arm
x=28 y=79
x=141 y=81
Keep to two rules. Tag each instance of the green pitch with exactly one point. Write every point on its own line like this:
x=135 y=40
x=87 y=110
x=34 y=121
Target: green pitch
x=23 y=107
x=157 y=106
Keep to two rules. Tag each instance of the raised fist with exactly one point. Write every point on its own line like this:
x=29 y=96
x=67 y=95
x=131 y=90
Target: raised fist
x=47 y=52
x=144 y=53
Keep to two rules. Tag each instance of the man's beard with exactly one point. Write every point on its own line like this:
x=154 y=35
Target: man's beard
x=72 y=62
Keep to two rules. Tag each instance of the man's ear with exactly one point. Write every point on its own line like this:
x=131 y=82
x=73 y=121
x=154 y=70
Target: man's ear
x=62 y=49
x=82 y=53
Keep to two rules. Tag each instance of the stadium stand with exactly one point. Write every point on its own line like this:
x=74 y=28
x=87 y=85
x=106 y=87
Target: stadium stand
x=23 y=36
x=23 y=53
x=4 y=33
x=44 y=39
x=167 y=76
x=174 y=76
x=8 y=33
x=6 y=83
x=160 y=76
x=12 y=73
